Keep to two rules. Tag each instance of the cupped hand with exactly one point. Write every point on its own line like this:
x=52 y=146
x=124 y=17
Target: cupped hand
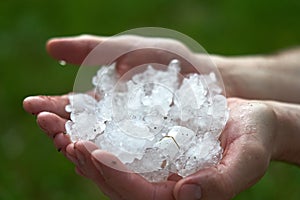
x=247 y=141
x=263 y=77
x=99 y=50
x=131 y=51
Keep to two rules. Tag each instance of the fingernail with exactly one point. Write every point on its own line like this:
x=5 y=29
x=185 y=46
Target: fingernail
x=190 y=191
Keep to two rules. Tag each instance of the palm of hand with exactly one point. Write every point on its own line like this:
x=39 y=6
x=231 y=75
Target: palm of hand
x=246 y=140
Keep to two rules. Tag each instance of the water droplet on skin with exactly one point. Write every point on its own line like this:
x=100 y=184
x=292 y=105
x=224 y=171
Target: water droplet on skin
x=62 y=62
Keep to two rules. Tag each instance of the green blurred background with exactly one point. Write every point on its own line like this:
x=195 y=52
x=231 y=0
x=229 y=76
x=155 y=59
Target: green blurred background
x=30 y=167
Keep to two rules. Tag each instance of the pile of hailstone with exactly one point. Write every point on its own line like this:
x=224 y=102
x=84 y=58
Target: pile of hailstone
x=157 y=123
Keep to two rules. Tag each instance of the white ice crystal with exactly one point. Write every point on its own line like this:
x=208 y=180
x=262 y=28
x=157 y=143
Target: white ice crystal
x=155 y=123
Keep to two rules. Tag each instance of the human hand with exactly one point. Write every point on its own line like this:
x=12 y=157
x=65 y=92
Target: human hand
x=231 y=176
x=248 y=141
x=130 y=51
x=272 y=77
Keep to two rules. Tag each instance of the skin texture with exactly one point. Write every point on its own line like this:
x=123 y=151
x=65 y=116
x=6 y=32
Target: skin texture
x=256 y=133
x=246 y=141
x=268 y=77
x=263 y=77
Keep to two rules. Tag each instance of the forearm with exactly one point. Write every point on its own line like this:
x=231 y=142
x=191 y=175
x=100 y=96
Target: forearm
x=286 y=147
x=273 y=77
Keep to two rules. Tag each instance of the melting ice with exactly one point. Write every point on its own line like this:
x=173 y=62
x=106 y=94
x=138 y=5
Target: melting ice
x=155 y=123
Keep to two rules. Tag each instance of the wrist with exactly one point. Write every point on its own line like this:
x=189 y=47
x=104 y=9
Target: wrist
x=286 y=145
x=245 y=76
x=269 y=77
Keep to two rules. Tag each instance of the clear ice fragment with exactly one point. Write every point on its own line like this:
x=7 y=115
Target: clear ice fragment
x=155 y=123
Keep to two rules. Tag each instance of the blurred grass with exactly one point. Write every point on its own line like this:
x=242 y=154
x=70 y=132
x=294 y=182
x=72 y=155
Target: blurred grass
x=30 y=167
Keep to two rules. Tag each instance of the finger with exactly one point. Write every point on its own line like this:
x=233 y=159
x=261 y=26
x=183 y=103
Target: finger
x=83 y=150
x=243 y=165
x=51 y=123
x=129 y=51
x=54 y=126
x=127 y=184
x=91 y=50
x=61 y=141
x=81 y=157
x=70 y=154
x=54 y=104
x=85 y=167
x=79 y=172
x=72 y=49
